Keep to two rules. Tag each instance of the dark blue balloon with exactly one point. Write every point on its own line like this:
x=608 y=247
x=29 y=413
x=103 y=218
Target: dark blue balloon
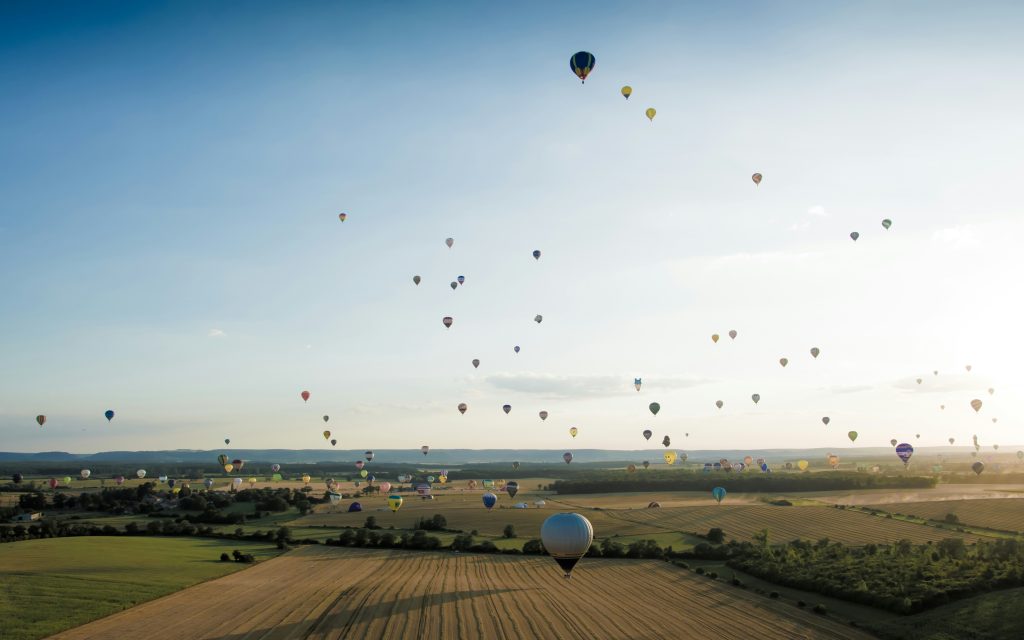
x=490 y=499
x=109 y=413
x=355 y=506
x=764 y=467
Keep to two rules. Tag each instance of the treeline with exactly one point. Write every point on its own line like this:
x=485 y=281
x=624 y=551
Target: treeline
x=901 y=577
x=617 y=482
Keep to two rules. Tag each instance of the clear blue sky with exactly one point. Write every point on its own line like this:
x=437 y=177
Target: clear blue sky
x=172 y=173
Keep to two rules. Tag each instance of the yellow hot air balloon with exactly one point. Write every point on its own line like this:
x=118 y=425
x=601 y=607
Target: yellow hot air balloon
x=228 y=468
x=670 y=457
x=651 y=112
x=976 y=405
x=802 y=465
x=305 y=478
x=714 y=337
x=327 y=435
x=364 y=473
x=442 y=479
x=252 y=482
x=573 y=431
x=395 y=502
x=627 y=91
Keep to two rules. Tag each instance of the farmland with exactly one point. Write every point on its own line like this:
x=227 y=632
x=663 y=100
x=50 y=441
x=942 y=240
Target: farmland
x=1004 y=514
x=49 y=585
x=329 y=593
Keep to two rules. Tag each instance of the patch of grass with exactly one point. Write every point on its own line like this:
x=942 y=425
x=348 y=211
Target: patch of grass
x=50 y=585
x=991 y=616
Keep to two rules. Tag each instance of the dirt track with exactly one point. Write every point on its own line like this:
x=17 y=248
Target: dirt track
x=321 y=592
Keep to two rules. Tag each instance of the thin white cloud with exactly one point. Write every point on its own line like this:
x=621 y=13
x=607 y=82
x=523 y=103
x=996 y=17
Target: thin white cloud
x=852 y=388
x=944 y=383
x=216 y=333
x=584 y=386
x=960 y=238
x=817 y=210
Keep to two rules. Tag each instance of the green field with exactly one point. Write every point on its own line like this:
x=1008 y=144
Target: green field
x=50 y=585
x=991 y=616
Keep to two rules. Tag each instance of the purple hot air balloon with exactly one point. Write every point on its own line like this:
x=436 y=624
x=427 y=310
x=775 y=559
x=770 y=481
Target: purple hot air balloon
x=567 y=456
x=904 y=451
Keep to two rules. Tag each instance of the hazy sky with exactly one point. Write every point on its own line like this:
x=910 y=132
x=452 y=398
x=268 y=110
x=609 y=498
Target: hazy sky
x=171 y=175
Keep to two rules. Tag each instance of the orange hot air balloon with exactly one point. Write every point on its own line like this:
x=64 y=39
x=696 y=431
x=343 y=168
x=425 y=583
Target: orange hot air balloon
x=714 y=337
x=976 y=405
x=757 y=179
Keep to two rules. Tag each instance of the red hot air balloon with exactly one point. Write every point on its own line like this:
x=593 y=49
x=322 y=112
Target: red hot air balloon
x=305 y=396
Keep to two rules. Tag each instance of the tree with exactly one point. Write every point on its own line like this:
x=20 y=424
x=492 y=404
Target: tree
x=371 y=523
x=283 y=534
x=533 y=547
x=509 y=531
x=761 y=538
x=715 y=536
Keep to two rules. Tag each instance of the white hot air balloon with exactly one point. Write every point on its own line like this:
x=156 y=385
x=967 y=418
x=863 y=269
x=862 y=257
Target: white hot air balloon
x=566 y=538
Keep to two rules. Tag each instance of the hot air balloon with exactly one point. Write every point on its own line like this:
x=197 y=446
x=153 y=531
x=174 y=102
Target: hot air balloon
x=852 y=435
x=855 y=235
x=893 y=442
x=802 y=465
x=424 y=449
x=208 y=483
x=747 y=460
x=171 y=482
x=951 y=441
x=364 y=473
x=140 y=474
x=978 y=467
x=252 y=482
x=919 y=381
x=85 y=473
x=567 y=456
x=1020 y=455
x=355 y=507
x=567 y=538
x=815 y=351
x=305 y=396
x=714 y=338
x=395 y=502
x=991 y=391
x=306 y=478
x=275 y=467
x=536 y=254
x=326 y=418
x=756 y=398
x=573 y=431
x=543 y=415
x=512 y=488
x=582 y=63
x=826 y=420
x=327 y=435
x=647 y=434
x=462 y=408
x=670 y=457
x=17 y=478
x=222 y=459
x=976 y=405
x=783 y=361
x=360 y=464
x=454 y=285
x=447 y=322
x=904 y=451
x=515 y=465
x=886 y=223
x=368 y=455
x=119 y=480
x=646 y=463
x=732 y=334
x=968 y=367
x=666 y=441
x=228 y=468
x=385 y=487
x=227 y=440
x=109 y=414
x=449 y=242
x=41 y=419
x=651 y=112
x=631 y=468
x=53 y=483
x=476 y=363
x=756 y=178
x=719 y=404
x=537 y=318
x=506 y=408
x=516 y=348
x=342 y=216
x=655 y=408
x=416 y=279
x=627 y=91
x=334 y=442
x=238 y=464
x=718 y=493
x=461 y=279
x=636 y=383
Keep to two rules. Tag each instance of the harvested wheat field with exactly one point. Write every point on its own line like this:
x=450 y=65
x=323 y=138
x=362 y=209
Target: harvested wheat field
x=1004 y=514
x=740 y=522
x=321 y=592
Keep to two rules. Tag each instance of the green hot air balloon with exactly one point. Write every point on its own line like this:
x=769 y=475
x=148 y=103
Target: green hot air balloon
x=852 y=436
x=887 y=223
x=655 y=408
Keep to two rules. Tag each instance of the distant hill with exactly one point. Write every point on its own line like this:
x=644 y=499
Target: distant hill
x=464 y=456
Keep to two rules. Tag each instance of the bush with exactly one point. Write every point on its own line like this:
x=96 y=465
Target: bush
x=533 y=547
x=774 y=595
x=715 y=536
x=700 y=571
x=371 y=523
x=801 y=604
x=821 y=609
x=951 y=518
x=509 y=531
x=736 y=582
x=713 y=575
x=225 y=557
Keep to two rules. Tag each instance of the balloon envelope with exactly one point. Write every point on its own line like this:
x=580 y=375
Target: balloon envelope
x=650 y=113
x=536 y=254
x=543 y=415
x=463 y=407
x=978 y=467
x=395 y=502
x=141 y=473
x=476 y=363
x=109 y=414
x=852 y=436
x=582 y=63
x=670 y=457
x=573 y=431
x=417 y=279
x=647 y=434
x=756 y=398
x=490 y=500
x=732 y=334
x=976 y=405
x=567 y=538
x=802 y=465
x=567 y=456
x=627 y=91
x=904 y=451
x=41 y=419
x=655 y=408
x=305 y=396
x=718 y=493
